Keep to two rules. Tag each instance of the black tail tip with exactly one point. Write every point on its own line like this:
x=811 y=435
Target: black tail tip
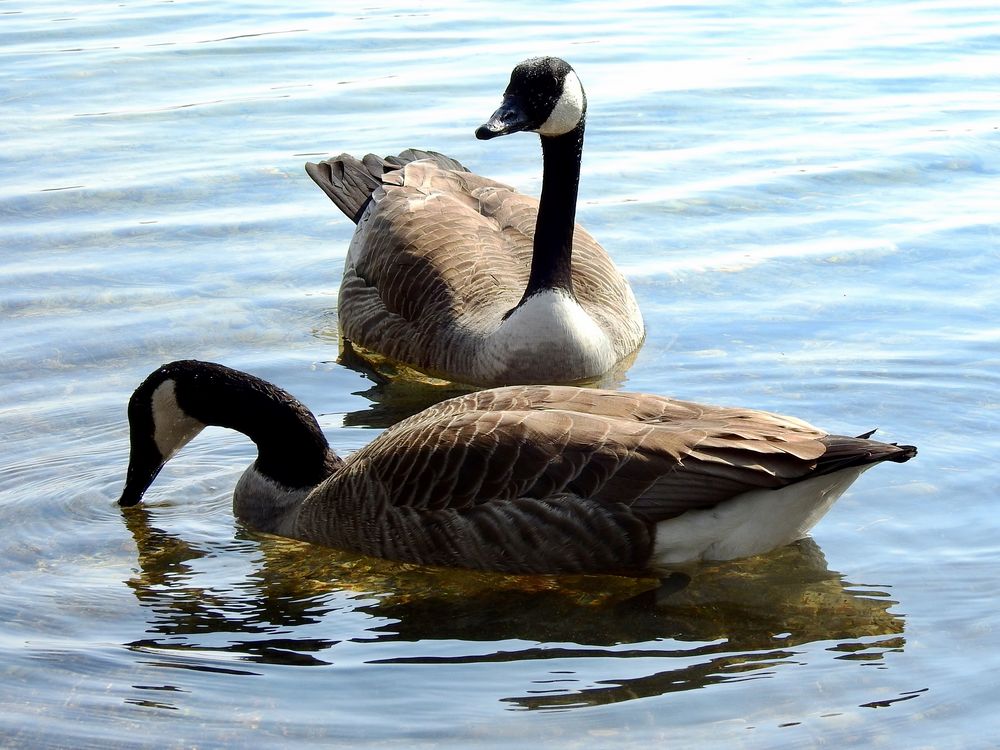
x=902 y=452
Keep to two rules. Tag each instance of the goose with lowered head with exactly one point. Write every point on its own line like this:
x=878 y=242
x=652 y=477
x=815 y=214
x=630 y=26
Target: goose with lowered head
x=522 y=479
x=464 y=278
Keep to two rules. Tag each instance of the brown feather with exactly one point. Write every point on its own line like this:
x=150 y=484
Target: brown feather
x=490 y=460
x=441 y=255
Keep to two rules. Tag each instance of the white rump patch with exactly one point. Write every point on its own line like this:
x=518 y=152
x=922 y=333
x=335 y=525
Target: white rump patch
x=752 y=523
x=172 y=427
x=568 y=110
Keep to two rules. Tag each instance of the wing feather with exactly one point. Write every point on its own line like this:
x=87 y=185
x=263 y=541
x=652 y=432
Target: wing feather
x=542 y=478
x=471 y=450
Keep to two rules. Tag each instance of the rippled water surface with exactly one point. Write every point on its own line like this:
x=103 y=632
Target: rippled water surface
x=804 y=197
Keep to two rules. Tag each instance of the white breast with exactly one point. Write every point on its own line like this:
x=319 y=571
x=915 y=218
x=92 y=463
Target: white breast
x=548 y=336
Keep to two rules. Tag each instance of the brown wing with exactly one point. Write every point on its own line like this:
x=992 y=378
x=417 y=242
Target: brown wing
x=618 y=405
x=656 y=455
x=429 y=248
x=500 y=490
x=350 y=182
x=499 y=480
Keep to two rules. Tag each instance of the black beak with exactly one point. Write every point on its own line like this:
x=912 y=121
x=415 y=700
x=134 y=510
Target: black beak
x=137 y=480
x=509 y=118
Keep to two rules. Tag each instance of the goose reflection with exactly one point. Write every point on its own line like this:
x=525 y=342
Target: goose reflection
x=185 y=615
x=712 y=624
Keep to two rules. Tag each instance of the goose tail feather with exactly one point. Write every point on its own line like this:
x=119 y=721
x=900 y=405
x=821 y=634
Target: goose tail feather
x=349 y=182
x=843 y=452
x=346 y=181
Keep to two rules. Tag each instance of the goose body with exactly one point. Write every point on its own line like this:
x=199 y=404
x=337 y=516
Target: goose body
x=526 y=479
x=464 y=278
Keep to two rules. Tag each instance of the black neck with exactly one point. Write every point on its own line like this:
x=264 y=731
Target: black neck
x=293 y=451
x=291 y=447
x=551 y=261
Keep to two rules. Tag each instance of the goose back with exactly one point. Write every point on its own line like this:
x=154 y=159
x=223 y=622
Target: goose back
x=536 y=479
x=440 y=258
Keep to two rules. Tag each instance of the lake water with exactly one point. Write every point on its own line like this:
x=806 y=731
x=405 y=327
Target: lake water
x=804 y=197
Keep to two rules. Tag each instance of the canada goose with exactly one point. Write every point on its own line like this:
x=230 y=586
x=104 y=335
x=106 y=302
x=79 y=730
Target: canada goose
x=464 y=278
x=526 y=479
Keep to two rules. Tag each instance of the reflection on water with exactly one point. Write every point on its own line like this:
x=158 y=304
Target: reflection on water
x=400 y=391
x=397 y=392
x=179 y=609
x=722 y=623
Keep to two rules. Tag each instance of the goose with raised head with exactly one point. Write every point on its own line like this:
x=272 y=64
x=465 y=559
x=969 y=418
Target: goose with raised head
x=523 y=479
x=464 y=278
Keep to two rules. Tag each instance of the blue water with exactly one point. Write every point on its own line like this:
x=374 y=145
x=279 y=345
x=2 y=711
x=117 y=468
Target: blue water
x=804 y=197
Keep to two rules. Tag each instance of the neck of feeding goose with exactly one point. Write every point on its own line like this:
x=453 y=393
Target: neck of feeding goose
x=178 y=400
x=293 y=457
x=291 y=449
x=551 y=261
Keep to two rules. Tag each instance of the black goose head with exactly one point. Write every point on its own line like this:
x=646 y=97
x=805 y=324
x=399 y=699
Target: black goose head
x=158 y=427
x=176 y=401
x=544 y=96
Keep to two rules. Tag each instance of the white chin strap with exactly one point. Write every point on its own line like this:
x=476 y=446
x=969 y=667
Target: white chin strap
x=568 y=110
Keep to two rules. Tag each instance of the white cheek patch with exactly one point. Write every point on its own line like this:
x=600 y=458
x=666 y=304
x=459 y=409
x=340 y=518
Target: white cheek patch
x=172 y=428
x=568 y=110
